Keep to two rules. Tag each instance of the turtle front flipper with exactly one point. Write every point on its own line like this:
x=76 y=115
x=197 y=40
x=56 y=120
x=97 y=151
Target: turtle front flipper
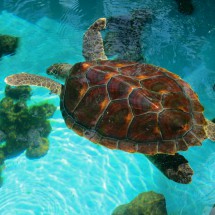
x=93 y=48
x=24 y=79
x=174 y=167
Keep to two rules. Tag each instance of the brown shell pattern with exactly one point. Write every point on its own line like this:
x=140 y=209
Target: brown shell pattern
x=133 y=107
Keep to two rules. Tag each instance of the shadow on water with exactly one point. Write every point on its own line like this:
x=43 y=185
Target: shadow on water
x=33 y=10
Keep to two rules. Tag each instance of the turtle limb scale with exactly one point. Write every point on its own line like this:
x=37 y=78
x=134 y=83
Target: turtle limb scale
x=175 y=167
x=24 y=79
x=210 y=130
x=93 y=48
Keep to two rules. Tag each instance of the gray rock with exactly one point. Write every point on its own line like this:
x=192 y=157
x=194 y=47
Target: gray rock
x=149 y=203
x=213 y=210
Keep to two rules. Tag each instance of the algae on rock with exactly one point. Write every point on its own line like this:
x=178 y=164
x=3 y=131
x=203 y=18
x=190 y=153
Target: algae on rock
x=22 y=127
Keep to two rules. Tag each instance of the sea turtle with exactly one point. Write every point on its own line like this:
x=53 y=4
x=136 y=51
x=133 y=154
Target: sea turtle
x=129 y=106
x=123 y=39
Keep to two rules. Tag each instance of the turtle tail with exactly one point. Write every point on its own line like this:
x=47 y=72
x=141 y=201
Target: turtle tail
x=35 y=80
x=210 y=130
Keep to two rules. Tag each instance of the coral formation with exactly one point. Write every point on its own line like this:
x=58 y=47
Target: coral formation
x=20 y=92
x=22 y=127
x=8 y=44
x=37 y=148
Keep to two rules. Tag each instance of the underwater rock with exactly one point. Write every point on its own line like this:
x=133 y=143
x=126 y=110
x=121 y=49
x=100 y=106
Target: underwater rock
x=8 y=44
x=149 y=203
x=185 y=6
x=213 y=210
x=123 y=38
x=20 y=92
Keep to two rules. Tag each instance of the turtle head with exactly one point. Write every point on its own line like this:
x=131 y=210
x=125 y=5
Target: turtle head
x=99 y=24
x=59 y=70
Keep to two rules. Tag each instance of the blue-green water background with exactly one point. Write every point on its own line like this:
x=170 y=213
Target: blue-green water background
x=80 y=178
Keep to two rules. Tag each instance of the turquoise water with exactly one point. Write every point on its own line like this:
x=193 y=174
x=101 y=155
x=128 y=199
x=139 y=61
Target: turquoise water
x=80 y=178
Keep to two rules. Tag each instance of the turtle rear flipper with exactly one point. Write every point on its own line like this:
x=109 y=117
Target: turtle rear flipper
x=175 y=167
x=210 y=130
x=93 y=48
